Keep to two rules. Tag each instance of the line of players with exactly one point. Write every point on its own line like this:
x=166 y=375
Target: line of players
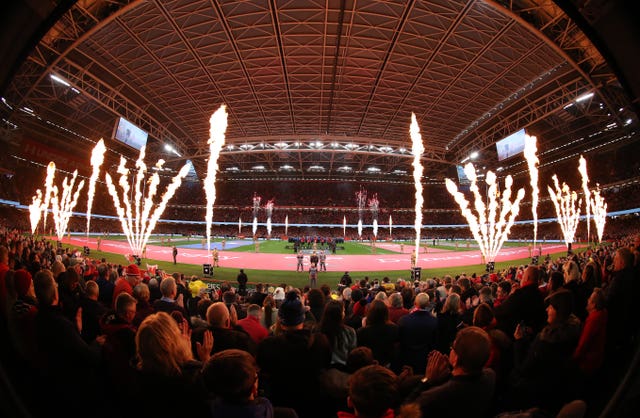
x=317 y=260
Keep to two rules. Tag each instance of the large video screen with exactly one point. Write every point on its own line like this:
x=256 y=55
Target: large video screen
x=129 y=134
x=462 y=176
x=511 y=145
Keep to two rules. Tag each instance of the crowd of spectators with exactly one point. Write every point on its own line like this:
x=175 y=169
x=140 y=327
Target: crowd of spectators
x=98 y=339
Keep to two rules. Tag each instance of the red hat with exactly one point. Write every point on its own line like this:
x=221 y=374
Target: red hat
x=133 y=270
x=22 y=281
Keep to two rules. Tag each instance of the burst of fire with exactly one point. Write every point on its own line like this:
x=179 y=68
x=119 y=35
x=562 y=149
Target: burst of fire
x=48 y=190
x=599 y=211
x=35 y=211
x=582 y=168
x=417 y=149
x=269 y=210
x=256 y=208
x=344 y=226
x=240 y=225
x=374 y=207
x=139 y=221
x=62 y=207
x=97 y=158
x=567 y=209
x=361 y=200
x=390 y=225
x=217 y=129
x=286 y=225
x=530 y=150
x=491 y=227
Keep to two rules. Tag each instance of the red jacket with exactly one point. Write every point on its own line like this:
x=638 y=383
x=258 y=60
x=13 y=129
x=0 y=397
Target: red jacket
x=589 y=354
x=252 y=326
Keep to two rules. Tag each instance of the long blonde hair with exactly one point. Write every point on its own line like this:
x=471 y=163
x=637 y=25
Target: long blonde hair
x=160 y=346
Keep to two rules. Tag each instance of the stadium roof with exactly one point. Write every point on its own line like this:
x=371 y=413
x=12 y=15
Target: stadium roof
x=319 y=88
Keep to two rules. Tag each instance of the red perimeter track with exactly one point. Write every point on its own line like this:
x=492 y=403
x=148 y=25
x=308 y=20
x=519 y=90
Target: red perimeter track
x=335 y=262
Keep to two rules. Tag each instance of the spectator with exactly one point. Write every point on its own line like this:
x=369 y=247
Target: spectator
x=449 y=321
x=126 y=284
x=525 y=304
x=231 y=376
x=294 y=352
x=543 y=374
x=269 y=313
x=373 y=393
x=64 y=358
x=590 y=353
x=92 y=312
x=170 y=300
x=418 y=334
x=379 y=334
x=342 y=338
x=120 y=346
x=225 y=337
x=166 y=365
x=142 y=294
x=251 y=324
x=458 y=386
x=106 y=286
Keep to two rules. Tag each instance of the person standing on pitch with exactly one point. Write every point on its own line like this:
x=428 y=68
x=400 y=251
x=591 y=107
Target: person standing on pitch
x=313 y=276
x=175 y=254
x=300 y=257
x=323 y=261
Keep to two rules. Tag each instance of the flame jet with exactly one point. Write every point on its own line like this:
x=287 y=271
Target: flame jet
x=62 y=207
x=417 y=149
x=217 y=129
x=138 y=220
x=582 y=168
x=97 y=158
x=491 y=226
x=530 y=150
x=599 y=211
x=568 y=212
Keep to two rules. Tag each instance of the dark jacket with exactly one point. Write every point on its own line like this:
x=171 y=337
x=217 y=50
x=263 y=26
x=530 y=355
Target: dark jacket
x=290 y=365
x=258 y=408
x=418 y=336
x=525 y=304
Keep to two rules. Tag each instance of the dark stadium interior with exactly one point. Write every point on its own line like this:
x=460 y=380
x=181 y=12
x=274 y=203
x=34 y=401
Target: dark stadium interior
x=320 y=96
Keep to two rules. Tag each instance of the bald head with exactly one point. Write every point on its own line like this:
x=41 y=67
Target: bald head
x=218 y=315
x=422 y=301
x=531 y=275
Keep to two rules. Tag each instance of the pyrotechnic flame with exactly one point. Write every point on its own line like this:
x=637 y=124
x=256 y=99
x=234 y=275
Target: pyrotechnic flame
x=63 y=208
x=599 y=212
x=390 y=224
x=48 y=190
x=361 y=200
x=97 y=158
x=344 y=226
x=137 y=227
x=35 y=211
x=217 y=129
x=373 y=206
x=417 y=149
x=568 y=212
x=256 y=208
x=491 y=226
x=269 y=210
x=530 y=150
x=582 y=168
x=286 y=225
x=240 y=225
